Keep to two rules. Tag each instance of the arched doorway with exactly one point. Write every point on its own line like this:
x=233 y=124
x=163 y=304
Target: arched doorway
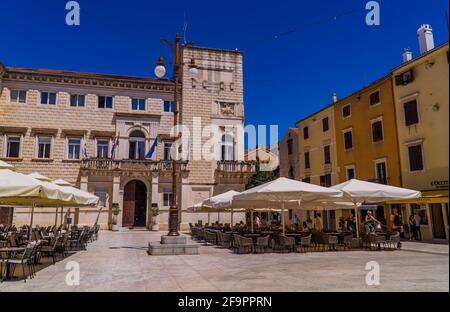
x=134 y=204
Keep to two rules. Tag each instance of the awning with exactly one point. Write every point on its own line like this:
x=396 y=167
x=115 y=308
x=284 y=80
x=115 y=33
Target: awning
x=428 y=197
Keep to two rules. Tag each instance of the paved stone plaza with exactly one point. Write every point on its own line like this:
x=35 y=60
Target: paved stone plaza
x=119 y=262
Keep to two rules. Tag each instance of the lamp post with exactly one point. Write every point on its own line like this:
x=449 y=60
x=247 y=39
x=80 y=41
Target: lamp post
x=160 y=72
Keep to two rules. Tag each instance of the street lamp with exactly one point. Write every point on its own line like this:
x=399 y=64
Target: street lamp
x=160 y=71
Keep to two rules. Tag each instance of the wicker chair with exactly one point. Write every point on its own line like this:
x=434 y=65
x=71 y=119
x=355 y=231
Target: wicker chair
x=305 y=243
x=287 y=243
x=394 y=241
x=224 y=240
x=242 y=244
x=377 y=240
x=262 y=244
x=210 y=238
x=24 y=259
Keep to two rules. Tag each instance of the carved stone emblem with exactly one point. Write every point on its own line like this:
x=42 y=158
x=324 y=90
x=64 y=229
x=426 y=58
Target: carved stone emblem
x=227 y=109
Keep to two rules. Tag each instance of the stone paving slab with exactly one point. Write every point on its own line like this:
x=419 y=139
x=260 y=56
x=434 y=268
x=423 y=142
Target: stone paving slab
x=119 y=262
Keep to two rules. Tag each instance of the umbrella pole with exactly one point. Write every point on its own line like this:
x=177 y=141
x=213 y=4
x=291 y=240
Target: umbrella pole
x=357 y=220
x=251 y=220
x=56 y=217
x=31 y=221
x=282 y=218
x=62 y=213
x=209 y=219
x=232 y=218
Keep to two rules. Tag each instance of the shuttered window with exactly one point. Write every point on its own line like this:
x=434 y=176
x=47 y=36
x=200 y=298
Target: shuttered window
x=325 y=124
x=415 y=157
x=411 y=113
x=348 y=140
x=377 y=131
x=307 y=164
x=327 y=156
x=305 y=133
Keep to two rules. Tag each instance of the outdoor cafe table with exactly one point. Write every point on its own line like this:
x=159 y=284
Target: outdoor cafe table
x=9 y=251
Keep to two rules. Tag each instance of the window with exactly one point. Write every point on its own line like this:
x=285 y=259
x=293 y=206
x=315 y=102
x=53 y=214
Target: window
x=307 y=180
x=411 y=113
x=44 y=147
x=350 y=171
x=325 y=124
x=74 y=148
x=404 y=78
x=346 y=111
x=48 y=98
x=167 y=198
x=138 y=104
x=136 y=145
x=374 y=98
x=291 y=173
x=327 y=155
x=415 y=157
x=105 y=102
x=348 y=139
x=325 y=180
x=102 y=148
x=169 y=106
x=13 y=146
x=377 y=131
x=289 y=146
x=305 y=133
x=77 y=100
x=227 y=147
x=100 y=192
x=381 y=172
x=18 y=96
x=167 y=149
x=307 y=163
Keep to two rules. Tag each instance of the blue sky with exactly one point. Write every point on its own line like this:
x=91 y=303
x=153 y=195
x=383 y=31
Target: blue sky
x=285 y=79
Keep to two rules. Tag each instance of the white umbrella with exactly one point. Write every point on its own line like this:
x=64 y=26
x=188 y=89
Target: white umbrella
x=284 y=191
x=22 y=190
x=359 y=192
x=4 y=165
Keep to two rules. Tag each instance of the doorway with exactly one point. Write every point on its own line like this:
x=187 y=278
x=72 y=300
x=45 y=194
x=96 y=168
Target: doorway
x=438 y=221
x=135 y=204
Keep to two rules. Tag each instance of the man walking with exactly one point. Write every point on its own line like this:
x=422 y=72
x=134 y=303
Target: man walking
x=417 y=220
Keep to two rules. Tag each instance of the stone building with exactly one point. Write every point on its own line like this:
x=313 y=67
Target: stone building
x=97 y=132
x=288 y=155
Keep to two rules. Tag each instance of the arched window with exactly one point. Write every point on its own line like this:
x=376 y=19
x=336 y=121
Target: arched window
x=136 y=145
x=227 y=147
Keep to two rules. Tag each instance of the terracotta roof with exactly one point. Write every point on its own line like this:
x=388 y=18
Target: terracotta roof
x=77 y=74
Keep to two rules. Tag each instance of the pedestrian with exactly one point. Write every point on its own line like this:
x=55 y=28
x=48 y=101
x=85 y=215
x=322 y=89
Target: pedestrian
x=396 y=221
x=318 y=225
x=418 y=220
x=412 y=227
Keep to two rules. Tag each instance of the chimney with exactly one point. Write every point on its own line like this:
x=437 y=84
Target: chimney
x=426 y=39
x=334 y=97
x=407 y=55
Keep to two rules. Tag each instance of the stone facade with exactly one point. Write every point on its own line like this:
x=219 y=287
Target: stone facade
x=215 y=96
x=288 y=154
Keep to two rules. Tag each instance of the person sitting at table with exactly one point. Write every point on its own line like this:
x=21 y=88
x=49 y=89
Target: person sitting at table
x=318 y=225
x=350 y=223
x=257 y=221
x=371 y=222
x=304 y=227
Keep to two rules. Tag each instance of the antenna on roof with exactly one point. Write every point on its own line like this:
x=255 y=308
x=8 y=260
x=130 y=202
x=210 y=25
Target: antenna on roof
x=185 y=28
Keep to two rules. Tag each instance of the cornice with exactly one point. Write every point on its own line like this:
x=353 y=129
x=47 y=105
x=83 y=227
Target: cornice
x=89 y=80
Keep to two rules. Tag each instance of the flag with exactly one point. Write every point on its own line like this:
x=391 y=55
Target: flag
x=85 y=154
x=152 y=149
x=114 y=146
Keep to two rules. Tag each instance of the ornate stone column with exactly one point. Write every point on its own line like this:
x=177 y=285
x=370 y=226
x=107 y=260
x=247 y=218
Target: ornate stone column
x=118 y=197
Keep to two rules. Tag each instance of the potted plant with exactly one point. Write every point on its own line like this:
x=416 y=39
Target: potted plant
x=115 y=212
x=155 y=214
